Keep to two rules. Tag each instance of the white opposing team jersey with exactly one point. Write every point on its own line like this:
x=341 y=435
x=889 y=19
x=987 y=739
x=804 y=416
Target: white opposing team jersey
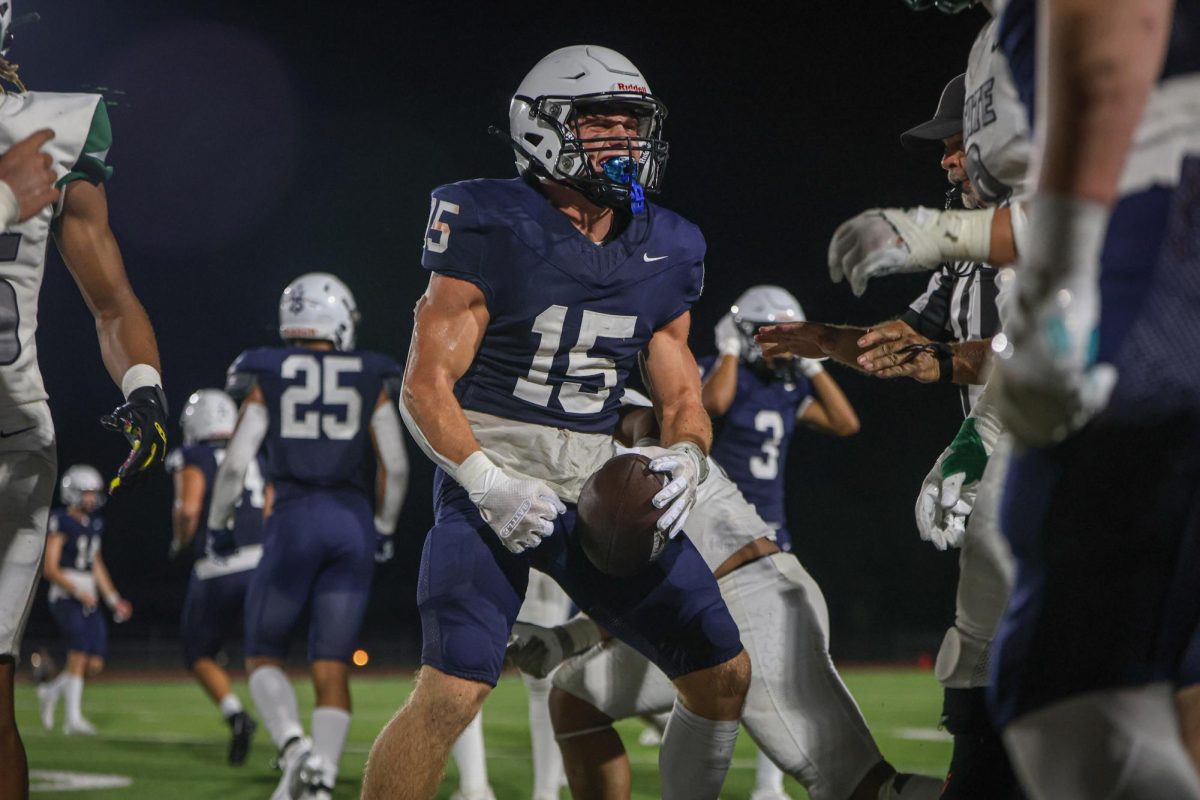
x=723 y=521
x=995 y=128
x=79 y=147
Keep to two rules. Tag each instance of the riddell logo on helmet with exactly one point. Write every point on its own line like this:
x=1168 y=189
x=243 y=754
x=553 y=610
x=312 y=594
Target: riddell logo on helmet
x=632 y=87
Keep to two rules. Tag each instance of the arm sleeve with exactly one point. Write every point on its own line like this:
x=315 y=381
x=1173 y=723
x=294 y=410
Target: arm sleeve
x=389 y=441
x=92 y=165
x=242 y=448
x=929 y=314
x=455 y=239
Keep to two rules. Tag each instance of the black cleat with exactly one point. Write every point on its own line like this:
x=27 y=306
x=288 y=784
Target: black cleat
x=242 y=726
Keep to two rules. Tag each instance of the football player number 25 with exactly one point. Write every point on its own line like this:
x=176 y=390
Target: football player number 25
x=320 y=381
x=767 y=467
x=535 y=387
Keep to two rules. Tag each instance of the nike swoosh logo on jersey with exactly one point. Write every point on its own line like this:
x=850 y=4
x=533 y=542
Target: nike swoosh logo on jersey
x=6 y=434
x=648 y=258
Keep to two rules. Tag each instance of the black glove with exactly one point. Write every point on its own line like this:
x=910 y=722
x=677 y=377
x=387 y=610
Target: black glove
x=143 y=421
x=221 y=543
x=385 y=548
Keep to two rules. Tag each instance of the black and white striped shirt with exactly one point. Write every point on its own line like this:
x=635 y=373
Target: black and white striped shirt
x=959 y=304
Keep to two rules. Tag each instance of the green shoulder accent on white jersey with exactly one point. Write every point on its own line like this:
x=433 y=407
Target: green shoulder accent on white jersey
x=91 y=165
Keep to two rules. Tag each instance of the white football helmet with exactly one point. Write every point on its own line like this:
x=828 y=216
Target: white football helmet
x=542 y=113
x=209 y=414
x=763 y=305
x=80 y=478
x=318 y=306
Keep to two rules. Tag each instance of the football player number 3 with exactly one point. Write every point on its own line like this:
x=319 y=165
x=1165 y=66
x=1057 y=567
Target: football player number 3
x=535 y=387
x=320 y=382
x=767 y=467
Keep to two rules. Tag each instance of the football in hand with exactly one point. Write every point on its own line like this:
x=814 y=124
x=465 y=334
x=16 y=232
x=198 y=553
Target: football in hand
x=616 y=520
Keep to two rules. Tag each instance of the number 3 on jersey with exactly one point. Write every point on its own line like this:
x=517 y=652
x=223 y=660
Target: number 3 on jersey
x=536 y=388
x=313 y=390
x=771 y=423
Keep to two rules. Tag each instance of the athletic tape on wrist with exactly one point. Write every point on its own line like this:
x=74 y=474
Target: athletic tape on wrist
x=137 y=376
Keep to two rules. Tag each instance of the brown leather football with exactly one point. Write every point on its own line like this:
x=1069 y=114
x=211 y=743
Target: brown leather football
x=616 y=519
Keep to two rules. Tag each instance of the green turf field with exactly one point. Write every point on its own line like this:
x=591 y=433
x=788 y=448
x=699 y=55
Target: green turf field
x=162 y=740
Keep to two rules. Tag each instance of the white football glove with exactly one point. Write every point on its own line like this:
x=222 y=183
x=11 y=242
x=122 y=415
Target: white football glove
x=884 y=241
x=948 y=493
x=1048 y=381
x=537 y=651
x=729 y=339
x=812 y=367
x=520 y=510
x=687 y=468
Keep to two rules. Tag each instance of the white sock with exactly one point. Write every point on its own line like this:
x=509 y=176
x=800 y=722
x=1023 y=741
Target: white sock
x=695 y=755
x=276 y=703
x=472 y=763
x=72 y=690
x=230 y=705
x=547 y=759
x=59 y=683
x=767 y=775
x=329 y=728
x=1121 y=744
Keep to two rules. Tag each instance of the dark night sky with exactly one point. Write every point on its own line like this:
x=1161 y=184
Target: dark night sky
x=256 y=141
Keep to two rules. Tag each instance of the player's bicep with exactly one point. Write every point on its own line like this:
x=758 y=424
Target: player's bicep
x=451 y=318
x=90 y=250
x=54 y=546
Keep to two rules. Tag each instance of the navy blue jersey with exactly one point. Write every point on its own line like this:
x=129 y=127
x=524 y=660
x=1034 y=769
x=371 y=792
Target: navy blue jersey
x=81 y=540
x=751 y=440
x=248 y=514
x=320 y=404
x=567 y=317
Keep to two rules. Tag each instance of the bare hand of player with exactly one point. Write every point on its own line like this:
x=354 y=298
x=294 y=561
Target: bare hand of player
x=799 y=339
x=893 y=350
x=122 y=611
x=29 y=174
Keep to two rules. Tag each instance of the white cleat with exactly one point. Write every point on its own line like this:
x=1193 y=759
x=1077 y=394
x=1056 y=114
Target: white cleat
x=312 y=782
x=79 y=727
x=48 y=702
x=649 y=737
x=290 y=761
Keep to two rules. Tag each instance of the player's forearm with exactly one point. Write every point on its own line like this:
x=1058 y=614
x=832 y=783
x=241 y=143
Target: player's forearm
x=720 y=386
x=841 y=420
x=1102 y=61
x=432 y=414
x=184 y=521
x=126 y=338
x=393 y=466
x=685 y=421
x=104 y=582
x=972 y=362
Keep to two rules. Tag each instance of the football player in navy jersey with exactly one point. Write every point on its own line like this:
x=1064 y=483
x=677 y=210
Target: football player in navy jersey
x=757 y=401
x=1099 y=386
x=212 y=609
x=322 y=410
x=78 y=579
x=544 y=291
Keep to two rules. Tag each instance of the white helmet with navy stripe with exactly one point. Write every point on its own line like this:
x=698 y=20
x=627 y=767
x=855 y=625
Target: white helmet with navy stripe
x=583 y=78
x=318 y=305
x=209 y=414
x=80 y=478
x=763 y=305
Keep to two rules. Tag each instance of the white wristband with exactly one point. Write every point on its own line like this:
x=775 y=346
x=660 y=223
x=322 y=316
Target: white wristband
x=112 y=599
x=472 y=469
x=10 y=209
x=137 y=376
x=811 y=367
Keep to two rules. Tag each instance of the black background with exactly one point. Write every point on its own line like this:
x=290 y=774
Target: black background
x=256 y=141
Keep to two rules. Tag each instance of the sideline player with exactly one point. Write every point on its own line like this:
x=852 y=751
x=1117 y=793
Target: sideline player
x=797 y=710
x=78 y=578
x=546 y=288
x=1101 y=503
x=756 y=400
x=78 y=221
x=321 y=407
x=216 y=593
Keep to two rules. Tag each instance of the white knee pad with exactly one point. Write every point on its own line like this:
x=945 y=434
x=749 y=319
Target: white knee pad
x=1119 y=744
